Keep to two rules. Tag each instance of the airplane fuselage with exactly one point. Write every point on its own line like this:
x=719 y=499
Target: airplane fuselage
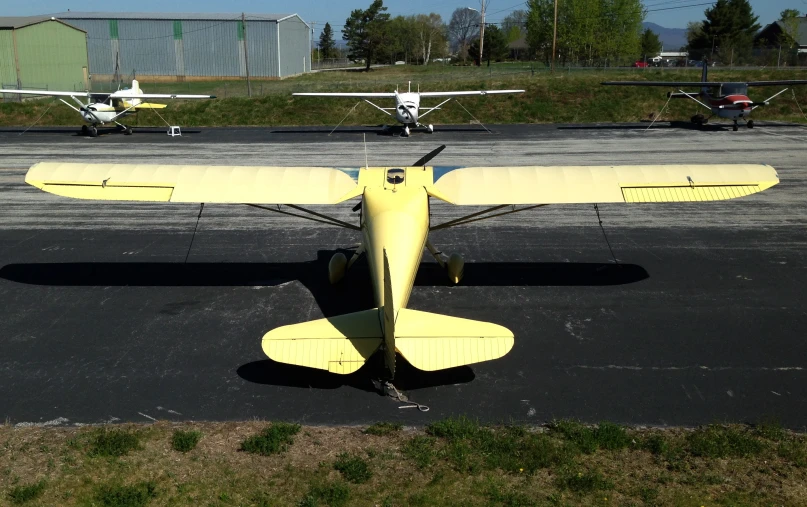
x=100 y=112
x=395 y=219
x=407 y=108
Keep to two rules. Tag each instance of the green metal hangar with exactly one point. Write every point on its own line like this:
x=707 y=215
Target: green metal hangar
x=183 y=46
x=41 y=52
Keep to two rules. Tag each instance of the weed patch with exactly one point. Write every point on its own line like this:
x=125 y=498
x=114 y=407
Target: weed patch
x=720 y=442
x=185 y=441
x=584 y=482
x=383 y=429
x=22 y=494
x=135 y=495
x=588 y=439
x=453 y=429
x=353 y=468
x=793 y=450
x=333 y=494
x=770 y=429
x=420 y=449
x=115 y=442
x=272 y=440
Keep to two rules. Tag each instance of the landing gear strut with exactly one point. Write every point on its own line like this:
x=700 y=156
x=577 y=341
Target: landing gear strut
x=406 y=131
x=454 y=265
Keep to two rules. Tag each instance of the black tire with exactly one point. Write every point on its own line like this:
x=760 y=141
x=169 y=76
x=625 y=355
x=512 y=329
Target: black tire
x=750 y=124
x=85 y=130
x=93 y=132
x=735 y=128
x=697 y=119
x=127 y=131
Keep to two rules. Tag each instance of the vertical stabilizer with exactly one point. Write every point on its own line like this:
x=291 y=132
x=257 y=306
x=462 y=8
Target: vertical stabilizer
x=388 y=319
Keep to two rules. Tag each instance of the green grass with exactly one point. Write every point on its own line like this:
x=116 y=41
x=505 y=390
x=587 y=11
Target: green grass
x=420 y=450
x=584 y=482
x=794 y=450
x=117 y=495
x=589 y=439
x=723 y=441
x=383 y=429
x=332 y=494
x=353 y=468
x=25 y=493
x=185 y=441
x=272 y=440
x=114 y=442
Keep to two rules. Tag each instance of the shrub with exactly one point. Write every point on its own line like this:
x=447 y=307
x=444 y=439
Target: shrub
x=26 y=493
x=116 y=442
x=353 y=468
x=272 y=440
x=184 y=441
x=383 y=429
x=135 y=495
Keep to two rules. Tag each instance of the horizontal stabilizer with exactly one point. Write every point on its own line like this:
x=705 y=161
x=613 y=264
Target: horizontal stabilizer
x=434 y=342
x=339 y=344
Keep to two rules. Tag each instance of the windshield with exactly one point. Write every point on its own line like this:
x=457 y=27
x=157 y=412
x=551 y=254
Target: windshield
x=734 y=89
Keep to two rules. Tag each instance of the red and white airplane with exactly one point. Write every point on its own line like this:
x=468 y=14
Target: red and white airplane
x=730 y=100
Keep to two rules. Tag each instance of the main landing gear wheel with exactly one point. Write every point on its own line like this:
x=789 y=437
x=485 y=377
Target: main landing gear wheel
x=430 y=128
x=84 y=130
x=750 y=124
x=735 y=127
x=93 y=131
x=698 y=119
x=127 y=130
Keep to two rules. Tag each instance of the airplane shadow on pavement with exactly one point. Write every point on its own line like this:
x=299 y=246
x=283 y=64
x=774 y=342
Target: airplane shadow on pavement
x=352 y=294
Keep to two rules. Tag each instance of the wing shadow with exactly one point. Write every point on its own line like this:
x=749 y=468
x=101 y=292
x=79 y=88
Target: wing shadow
x=353 y=294
x=675 y=124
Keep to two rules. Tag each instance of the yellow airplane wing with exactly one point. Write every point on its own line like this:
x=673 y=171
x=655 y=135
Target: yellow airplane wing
x=149 y=105
x=176 y=183
x=602 y=184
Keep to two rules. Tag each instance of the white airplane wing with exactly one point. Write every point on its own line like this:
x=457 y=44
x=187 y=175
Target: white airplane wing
x=47 y=93
x=124 y=95
x=476 y=92
x=355 y=95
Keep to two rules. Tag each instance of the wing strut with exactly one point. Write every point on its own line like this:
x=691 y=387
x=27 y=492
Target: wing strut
x=324 y=219
x=689 y=95
x=379 y=108
x=467 y=219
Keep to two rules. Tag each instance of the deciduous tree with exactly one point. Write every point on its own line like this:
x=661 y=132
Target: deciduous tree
x=462 y=29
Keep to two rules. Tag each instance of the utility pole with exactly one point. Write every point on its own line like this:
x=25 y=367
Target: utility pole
x=246 y=53
x=554 y=37
x=482 y=32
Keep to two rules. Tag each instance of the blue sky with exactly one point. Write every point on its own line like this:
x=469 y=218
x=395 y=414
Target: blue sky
x=335 y=12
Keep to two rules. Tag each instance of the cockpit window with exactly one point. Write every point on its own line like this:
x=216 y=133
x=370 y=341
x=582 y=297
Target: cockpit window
x=395 y=176
x=734 y=89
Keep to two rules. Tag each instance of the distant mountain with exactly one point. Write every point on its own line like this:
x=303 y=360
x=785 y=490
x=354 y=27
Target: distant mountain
x=671 y=38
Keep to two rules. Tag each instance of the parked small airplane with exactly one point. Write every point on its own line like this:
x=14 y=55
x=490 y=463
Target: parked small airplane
x=407 y=105
x=729 y=101
x=395 y=224
x=103 y=108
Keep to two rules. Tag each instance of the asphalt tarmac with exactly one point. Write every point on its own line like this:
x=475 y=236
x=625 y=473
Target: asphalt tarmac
x=702 y=319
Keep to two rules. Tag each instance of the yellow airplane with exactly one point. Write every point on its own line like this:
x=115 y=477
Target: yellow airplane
x=395 y=226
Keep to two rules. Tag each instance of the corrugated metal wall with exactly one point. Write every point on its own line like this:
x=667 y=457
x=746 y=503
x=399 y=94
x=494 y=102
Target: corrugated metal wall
x=8 y=71
x=295 y=55
x=51 y=56
x=193 y=48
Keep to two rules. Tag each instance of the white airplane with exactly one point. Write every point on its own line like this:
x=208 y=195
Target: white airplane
x=407 y=105
x=103 y=108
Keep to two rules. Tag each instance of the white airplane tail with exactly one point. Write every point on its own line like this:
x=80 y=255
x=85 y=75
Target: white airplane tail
x=136 y=91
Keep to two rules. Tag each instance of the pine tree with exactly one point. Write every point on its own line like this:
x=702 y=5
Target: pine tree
x=366 y=32
x=727 y=32
x=651 y=45
x=327 y=46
